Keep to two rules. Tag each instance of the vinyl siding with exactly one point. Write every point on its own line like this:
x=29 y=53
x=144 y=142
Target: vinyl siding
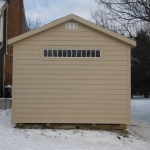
x=71 y=90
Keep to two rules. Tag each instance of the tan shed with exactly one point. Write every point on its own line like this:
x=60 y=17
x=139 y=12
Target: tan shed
x=71 y=71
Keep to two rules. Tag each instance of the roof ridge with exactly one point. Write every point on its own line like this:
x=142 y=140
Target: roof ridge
x=78 y=19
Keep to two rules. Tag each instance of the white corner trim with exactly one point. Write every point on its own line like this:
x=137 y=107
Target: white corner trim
x=1 y=27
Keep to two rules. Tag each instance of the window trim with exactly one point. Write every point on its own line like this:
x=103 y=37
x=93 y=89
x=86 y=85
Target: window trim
x=75 y=26
x=71 y=53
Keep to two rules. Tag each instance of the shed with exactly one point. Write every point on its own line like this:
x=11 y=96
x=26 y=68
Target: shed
x=71 y=71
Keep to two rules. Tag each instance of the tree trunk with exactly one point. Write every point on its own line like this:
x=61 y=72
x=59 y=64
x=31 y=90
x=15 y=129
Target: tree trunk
x=146 y=94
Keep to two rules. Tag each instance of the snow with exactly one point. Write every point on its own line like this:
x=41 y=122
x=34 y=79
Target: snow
x=44 y=139
x=8 y=86
x=140 y=118
x=2 y=4
x=3 y=98
x=140 y=111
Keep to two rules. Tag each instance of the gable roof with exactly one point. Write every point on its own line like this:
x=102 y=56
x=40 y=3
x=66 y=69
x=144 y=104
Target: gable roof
x=78 y=19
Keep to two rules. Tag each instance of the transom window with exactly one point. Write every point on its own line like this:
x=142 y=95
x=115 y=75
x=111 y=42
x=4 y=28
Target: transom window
x=72 y=53
x=72 y=26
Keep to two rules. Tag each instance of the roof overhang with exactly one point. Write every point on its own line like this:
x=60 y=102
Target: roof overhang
x=126 y=40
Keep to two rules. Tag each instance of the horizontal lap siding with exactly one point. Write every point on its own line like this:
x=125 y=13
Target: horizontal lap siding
x=70 y=96
x=72 y=120
x=37 y=57
x=70 y=90
x=70 y=72
x=70 y=116
x=72 y=62
x=73 y=82
x=71 y=67
x=73 y=87
x=71 y=106
x=64 y=43
x=23 y=47
x=66 y=101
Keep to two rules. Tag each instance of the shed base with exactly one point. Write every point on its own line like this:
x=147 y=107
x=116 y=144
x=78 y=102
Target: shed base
x=73 y=126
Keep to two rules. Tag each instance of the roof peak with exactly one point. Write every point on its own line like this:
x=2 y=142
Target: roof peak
x=78 y=19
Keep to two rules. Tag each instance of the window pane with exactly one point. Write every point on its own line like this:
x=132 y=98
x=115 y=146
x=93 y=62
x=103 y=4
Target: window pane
x=97 y=53
x=76 y=26
x=45 y=53
x=92 y=53
x=67 y=26
x=64 y=53
x=68 y=53
x=54 y=53
x=59 y=53
x=49 y=53
x=88 y=53
x=83 y=53
x=72 y=26
x=73 y=53
x=78 y=53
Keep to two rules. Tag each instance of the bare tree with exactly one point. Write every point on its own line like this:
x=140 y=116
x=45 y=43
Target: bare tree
x=34 y=23
x=122 y=16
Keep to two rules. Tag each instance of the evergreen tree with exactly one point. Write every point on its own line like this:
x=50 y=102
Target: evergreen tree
x=140 y=64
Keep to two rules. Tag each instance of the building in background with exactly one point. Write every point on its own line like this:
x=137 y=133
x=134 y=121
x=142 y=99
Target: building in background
x=12 y=23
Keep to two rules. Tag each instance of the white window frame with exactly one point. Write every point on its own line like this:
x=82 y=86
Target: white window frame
x=71 y=53
x=72 y=26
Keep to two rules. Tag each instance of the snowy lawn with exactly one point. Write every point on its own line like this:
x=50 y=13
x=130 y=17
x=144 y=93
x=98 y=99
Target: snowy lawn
x=140 y=118
x=46 y=139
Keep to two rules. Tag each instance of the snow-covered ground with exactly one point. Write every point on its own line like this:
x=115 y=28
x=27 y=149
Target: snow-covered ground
x=46 y=139
x=140 y=118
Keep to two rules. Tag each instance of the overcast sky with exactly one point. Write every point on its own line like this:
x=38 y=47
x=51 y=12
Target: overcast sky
x=53 y=9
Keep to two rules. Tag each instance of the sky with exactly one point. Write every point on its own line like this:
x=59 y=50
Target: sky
x=49 y=10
